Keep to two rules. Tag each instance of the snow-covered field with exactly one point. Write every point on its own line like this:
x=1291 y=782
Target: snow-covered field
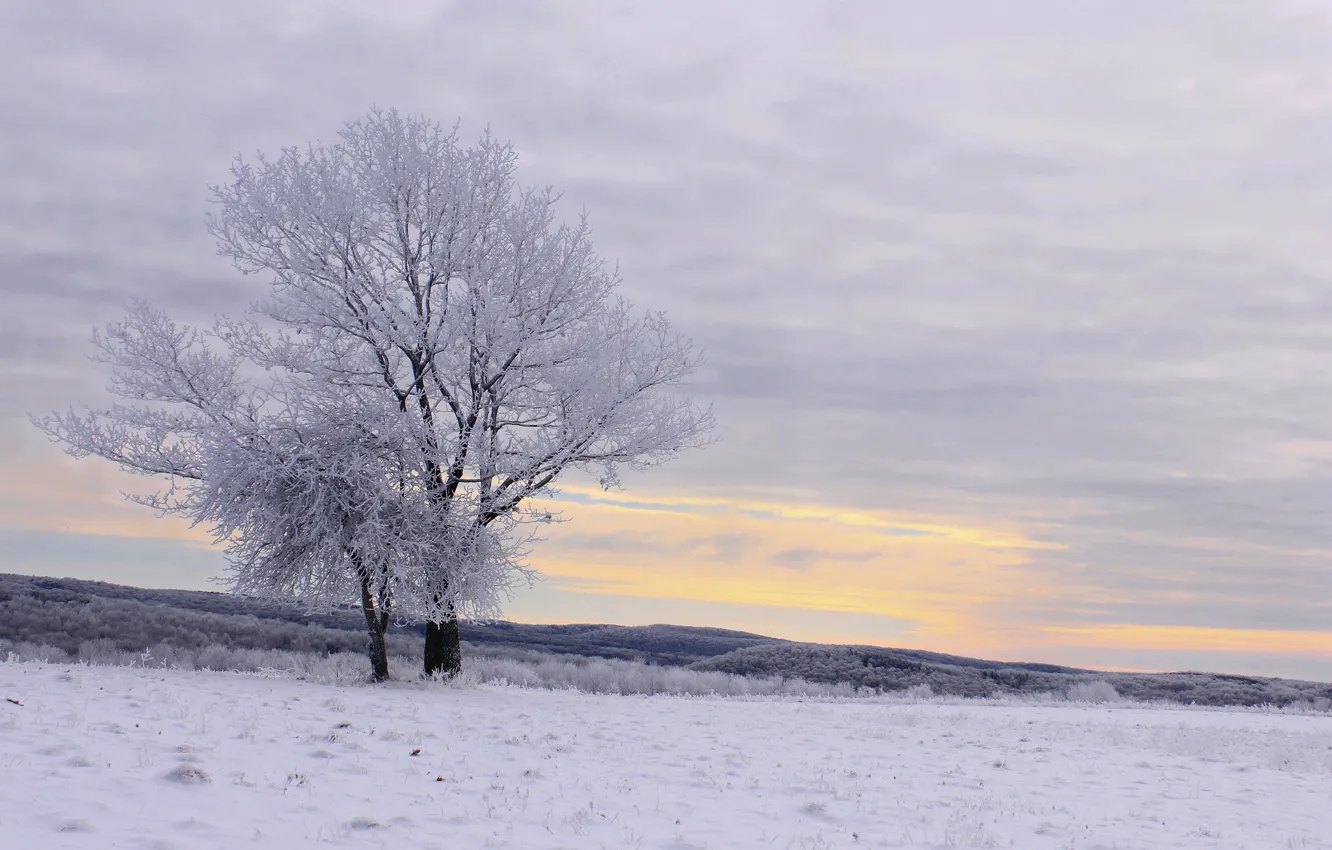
x=123 y=757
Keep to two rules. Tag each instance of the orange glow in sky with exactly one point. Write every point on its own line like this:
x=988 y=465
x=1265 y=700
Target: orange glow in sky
x=952 y=584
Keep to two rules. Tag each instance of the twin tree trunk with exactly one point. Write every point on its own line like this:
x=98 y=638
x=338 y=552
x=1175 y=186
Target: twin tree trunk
x=378 y=650
x=443 y=648
x=377 y=623
x=443 y=641
x=443 y=645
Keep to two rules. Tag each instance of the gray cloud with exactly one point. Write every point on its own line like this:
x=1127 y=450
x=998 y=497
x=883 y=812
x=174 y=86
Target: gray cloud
x=1065 y=265
x=726 y=547
x=801 y=558
x=619 y=543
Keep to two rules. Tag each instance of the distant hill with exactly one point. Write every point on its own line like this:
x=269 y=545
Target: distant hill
x=67 y=613
x=64 y=613
x=897 y=669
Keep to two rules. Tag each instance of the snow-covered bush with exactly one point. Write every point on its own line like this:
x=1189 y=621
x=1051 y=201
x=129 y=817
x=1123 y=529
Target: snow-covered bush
x=920 y=692
x=27 y=651
x=1099 y=691
x=615 y=676
x=102 y=651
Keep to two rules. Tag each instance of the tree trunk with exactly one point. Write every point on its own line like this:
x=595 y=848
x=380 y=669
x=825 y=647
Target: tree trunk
x=376 y=622
x=443 y=648
x=378 y=651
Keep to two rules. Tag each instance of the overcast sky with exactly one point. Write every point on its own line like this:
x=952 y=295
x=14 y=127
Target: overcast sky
x=1018 y=315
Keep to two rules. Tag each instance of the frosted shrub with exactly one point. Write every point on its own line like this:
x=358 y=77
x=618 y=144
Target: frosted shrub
x=343 y=668
x=1099 y=691
x=167 y=655
x=104 y=651
x=217 y=657
x=507 y=670
x=1316 y=705
x=25 y=651
x=615 y=676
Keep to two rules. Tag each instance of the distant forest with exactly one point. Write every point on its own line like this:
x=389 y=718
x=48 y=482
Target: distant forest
x=67 y=619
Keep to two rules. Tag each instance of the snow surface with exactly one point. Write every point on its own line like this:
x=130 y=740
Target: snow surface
x=123 y=757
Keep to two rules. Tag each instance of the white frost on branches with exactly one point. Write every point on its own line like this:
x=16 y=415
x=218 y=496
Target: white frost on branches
x=436 y=350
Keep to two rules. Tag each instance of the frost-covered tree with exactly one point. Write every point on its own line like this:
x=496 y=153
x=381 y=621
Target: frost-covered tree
x=312 y=500
x=437 y=349
x=314 y=505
